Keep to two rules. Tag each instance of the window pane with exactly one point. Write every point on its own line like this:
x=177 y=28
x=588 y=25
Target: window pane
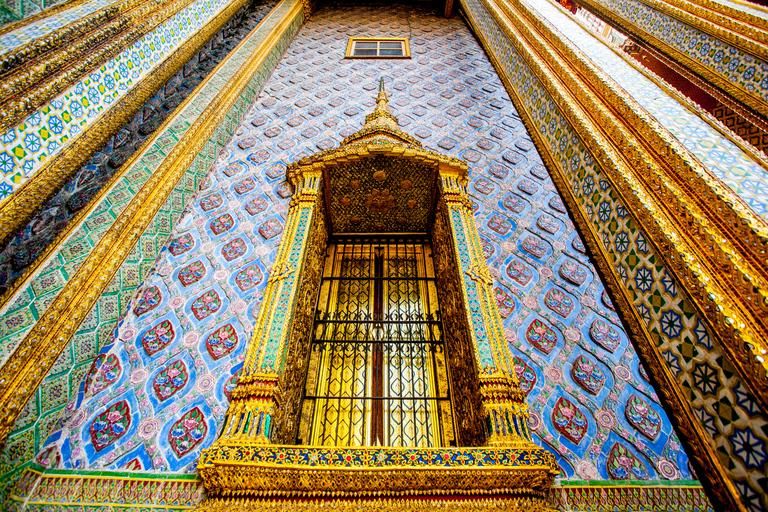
x=391 y=45
x=365 y=53
x=365 y=45
x=391 y=52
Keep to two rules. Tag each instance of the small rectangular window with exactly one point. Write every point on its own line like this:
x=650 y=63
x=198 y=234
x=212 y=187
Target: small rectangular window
x=381 y=48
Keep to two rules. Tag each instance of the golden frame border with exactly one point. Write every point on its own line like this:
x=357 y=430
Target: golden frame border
x=744 y=35
x=702 y=114
x=351 y=43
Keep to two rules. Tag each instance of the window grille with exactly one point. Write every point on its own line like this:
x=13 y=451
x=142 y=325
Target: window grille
x=377 y=374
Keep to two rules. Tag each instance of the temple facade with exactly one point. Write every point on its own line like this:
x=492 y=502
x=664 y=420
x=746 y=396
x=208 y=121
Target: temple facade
x=488 y=254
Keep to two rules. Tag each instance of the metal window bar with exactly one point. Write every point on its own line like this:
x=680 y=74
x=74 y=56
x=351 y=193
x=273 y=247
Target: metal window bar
x=377 y=373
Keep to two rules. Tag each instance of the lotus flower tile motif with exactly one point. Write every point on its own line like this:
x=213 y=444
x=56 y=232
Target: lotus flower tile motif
x=541 y=336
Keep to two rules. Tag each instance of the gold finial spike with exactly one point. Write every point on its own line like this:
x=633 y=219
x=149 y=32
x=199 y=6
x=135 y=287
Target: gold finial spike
x=381 y=114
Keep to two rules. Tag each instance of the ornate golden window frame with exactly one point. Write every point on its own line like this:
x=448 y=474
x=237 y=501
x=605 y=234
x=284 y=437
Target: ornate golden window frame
x=254 y=458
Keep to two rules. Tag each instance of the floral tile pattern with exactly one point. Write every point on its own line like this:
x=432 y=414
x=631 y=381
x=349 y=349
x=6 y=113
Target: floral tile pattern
x=21 y=9
x=739 y=428
x=720 y=156
x=208 y=280
x=25 y=147
x=720 y=57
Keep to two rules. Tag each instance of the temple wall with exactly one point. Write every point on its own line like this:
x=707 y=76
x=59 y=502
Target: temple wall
x=163 y=376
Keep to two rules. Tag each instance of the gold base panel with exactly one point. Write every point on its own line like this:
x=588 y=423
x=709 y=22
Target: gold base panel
x=511 y=504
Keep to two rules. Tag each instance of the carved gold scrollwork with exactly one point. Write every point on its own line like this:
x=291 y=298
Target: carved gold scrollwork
x=748 y=36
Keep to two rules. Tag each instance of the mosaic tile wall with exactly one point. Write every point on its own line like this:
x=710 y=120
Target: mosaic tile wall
x=55 y=215
x=157 y=396
x=63 y=385
x=733 y=64
x=739 y=428
x=25 y=147
x=723 y=158
x=20 y=9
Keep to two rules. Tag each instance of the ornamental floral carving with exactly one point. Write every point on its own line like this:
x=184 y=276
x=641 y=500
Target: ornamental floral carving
x=569 y=420
x=188 y=432
x=622 y=464
x=222 y=224
x=588 y=375
x=192 y=273
x=207 y=304
x=181 y=244
x=379 y=201
x=573 y=272
x=104 y=371
x=559 y=302
x=158 y=337
x=222 y=341
x=642 y=416
x=519 y=272
x=541 y=336
x=504 y=301
x=110 y=425
x=210 y=202
x=170 y=380
x=249 y=278
x=525 y=374
x=605 y=335
x=149 y=300
x=234 y=249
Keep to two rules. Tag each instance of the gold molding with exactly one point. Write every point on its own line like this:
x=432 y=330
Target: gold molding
x=56 y=63
x=10 y=27
x=748 y=37
x=721 y=489
x=739 y=93
x=19 y=208
x=747 y=113
x=24 y=53
x=702 y=114
x=511 y=504
x=21 y=375
x=678 y=203
x=729 y=11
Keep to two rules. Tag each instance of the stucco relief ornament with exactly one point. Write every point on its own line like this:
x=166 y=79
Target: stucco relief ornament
x=379 y=201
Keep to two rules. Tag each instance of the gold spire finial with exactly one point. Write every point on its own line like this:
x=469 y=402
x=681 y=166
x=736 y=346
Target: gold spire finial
x=381 y=115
